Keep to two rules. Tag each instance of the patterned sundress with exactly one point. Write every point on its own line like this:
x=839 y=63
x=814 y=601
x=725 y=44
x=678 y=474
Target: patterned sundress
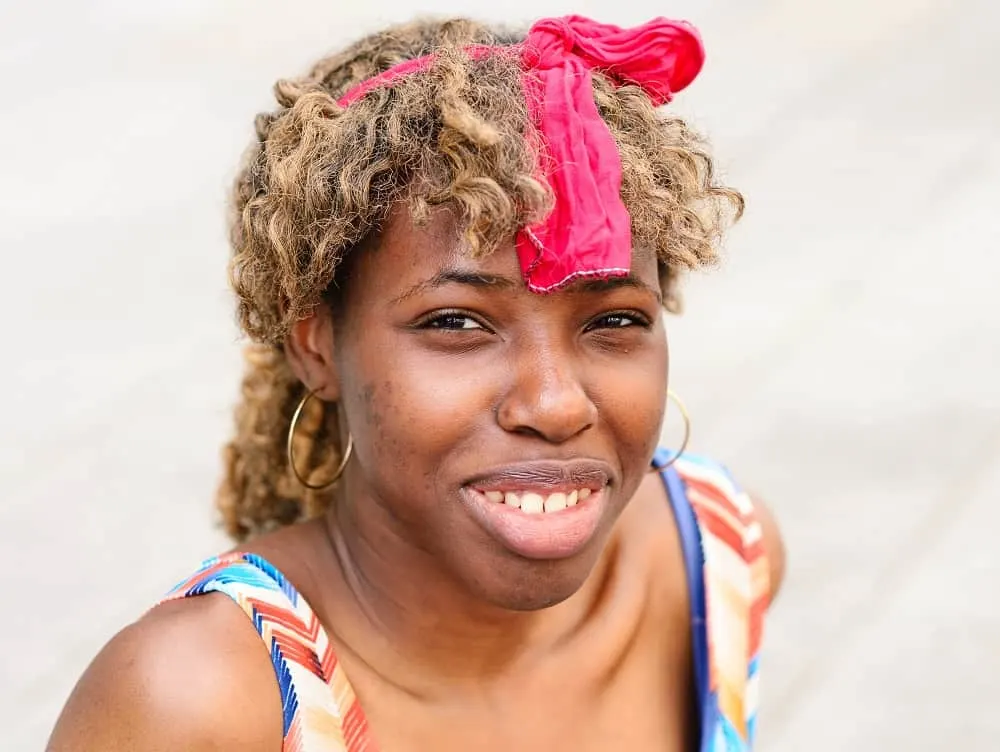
x=727 y=581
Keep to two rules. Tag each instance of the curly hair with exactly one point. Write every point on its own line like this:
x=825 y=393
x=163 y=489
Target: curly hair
x=320 y=179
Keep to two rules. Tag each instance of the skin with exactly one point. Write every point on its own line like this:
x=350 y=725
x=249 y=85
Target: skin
x=443 y=367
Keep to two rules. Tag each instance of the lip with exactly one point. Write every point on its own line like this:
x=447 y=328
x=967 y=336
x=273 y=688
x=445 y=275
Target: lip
x=548 y=535
x=544 y=476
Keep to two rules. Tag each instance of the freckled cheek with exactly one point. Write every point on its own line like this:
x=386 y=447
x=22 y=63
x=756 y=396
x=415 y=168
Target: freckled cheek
x=427 y=407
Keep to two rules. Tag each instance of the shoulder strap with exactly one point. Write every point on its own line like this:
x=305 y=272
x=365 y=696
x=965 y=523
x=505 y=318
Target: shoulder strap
x=735 y=575
x=319 y=709
x=694 y=565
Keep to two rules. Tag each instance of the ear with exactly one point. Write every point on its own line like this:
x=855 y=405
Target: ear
x=309 y=349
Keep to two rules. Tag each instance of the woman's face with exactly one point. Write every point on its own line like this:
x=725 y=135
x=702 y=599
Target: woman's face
x=501 y=430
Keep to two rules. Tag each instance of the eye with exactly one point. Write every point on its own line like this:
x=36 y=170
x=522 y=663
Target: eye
x=451 y=321
x=619 y=320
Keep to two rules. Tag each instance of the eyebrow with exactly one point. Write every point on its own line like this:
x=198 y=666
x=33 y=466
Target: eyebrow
x=499 y=282
x=613 y=283
x=459 y=277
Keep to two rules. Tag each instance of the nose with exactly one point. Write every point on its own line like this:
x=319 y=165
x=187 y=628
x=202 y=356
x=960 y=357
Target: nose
x=547 y=399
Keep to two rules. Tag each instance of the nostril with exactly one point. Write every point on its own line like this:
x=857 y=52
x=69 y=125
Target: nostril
x=547 y=399
x=550 y=420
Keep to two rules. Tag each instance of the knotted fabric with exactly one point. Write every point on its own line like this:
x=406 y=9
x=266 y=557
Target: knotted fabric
x=588 y=233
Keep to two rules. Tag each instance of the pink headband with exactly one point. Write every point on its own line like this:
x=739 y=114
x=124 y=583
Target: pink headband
x=589 y=231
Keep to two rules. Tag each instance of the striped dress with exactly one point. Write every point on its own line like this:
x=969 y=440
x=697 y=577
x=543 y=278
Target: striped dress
x=727 y=581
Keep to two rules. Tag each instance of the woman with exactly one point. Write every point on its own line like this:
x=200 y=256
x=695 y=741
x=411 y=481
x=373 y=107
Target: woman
x=452 y=247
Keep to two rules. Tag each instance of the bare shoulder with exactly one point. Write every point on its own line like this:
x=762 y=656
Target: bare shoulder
x=191 y=674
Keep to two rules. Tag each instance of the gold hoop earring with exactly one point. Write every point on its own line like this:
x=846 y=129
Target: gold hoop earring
x=671 y=395
x=291 y=455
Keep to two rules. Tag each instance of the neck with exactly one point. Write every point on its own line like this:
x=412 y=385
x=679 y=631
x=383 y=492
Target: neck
x=418 y=628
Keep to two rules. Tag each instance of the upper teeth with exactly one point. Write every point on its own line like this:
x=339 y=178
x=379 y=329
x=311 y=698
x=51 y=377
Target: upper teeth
x=533 y=503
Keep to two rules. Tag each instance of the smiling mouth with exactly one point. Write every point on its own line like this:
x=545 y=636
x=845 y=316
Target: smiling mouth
x=542 y=509
x=538 y=526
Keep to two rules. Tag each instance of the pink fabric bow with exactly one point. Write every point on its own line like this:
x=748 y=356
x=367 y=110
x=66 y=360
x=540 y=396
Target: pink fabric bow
x=589 y=232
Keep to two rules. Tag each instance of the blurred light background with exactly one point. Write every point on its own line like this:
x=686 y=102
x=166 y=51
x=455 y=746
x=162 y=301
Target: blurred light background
x=844 y=361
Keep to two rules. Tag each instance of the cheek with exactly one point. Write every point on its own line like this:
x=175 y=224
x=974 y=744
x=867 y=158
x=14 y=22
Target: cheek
x=632 y=401
x=414 y=410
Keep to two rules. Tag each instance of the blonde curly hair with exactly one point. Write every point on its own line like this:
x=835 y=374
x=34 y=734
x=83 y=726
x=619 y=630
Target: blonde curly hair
x=320 y=179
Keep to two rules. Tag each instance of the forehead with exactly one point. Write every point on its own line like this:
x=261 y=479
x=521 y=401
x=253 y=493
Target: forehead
x=410 y=251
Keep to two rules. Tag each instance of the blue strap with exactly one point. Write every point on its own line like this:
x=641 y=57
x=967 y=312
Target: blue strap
x=694 y=566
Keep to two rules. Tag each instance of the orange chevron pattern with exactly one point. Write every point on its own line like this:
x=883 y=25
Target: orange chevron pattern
x=737 y=589
x=321 y=712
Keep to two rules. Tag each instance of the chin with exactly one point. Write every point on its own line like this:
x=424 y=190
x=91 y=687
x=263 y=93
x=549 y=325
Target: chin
x=531 y=585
